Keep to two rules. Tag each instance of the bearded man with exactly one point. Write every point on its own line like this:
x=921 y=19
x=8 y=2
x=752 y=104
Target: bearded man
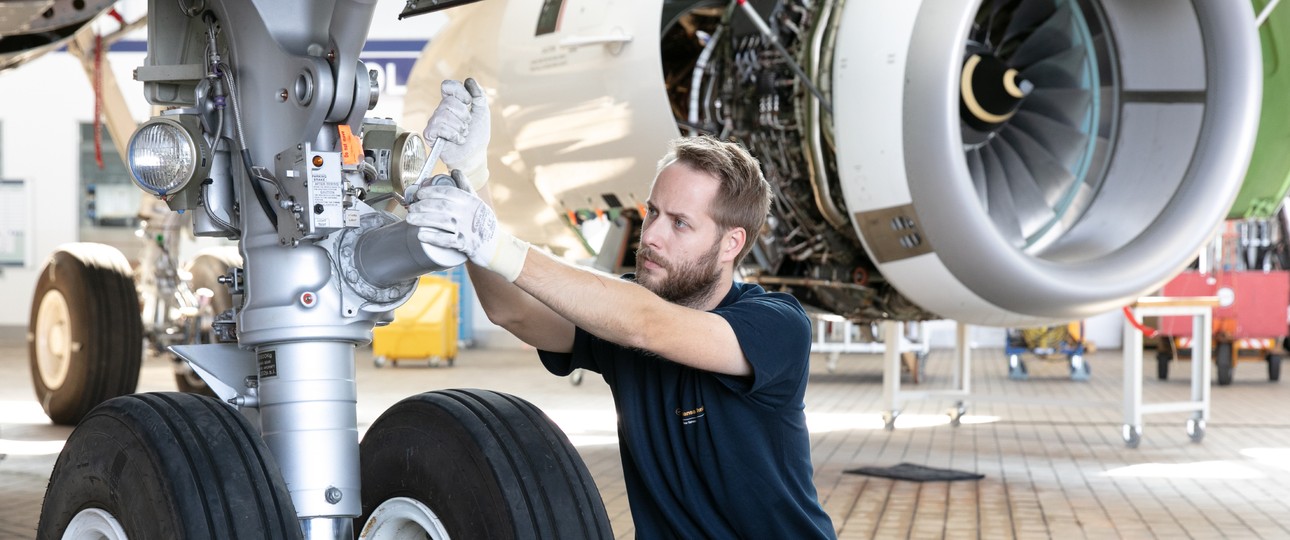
x=708 y=374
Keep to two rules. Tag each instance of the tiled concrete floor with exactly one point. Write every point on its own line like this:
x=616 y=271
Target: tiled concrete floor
x=1050 y=471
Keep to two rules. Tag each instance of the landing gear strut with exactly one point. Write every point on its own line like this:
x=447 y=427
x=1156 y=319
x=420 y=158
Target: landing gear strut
x=264 y=140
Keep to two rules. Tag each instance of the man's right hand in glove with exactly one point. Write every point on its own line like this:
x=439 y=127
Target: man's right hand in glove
x=462 y=119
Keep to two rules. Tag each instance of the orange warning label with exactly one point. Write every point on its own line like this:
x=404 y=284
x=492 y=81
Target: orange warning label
x=351 y=147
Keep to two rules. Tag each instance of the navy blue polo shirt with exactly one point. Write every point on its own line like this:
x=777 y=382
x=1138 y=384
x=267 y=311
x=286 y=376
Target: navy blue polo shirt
x=708 y=455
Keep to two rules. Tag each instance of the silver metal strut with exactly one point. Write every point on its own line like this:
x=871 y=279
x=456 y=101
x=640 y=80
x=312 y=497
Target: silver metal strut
x=278 y=90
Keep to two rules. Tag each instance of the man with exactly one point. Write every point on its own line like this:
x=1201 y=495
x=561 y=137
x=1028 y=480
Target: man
x=708 y=375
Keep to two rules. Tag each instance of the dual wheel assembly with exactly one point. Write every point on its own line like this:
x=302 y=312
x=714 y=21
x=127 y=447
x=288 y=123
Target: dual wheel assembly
x=443 y=464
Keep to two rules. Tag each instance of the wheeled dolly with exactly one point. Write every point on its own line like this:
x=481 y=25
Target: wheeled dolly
x=1046 y=343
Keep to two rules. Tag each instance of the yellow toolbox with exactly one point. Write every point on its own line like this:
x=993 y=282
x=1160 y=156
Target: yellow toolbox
x=424 y=328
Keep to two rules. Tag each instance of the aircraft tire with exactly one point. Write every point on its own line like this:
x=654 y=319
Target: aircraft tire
x=199 y=457
x=1162 y=365
x=85 y=338
x=1223 y=357
x=476 y=464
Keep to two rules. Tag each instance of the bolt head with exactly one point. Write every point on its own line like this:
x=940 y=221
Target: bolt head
x=333 y=495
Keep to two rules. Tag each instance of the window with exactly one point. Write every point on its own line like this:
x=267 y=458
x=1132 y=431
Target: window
x=13 y=222
x=108 y=197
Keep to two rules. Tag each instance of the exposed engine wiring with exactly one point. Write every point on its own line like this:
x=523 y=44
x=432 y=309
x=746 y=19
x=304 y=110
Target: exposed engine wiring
x=745 y=86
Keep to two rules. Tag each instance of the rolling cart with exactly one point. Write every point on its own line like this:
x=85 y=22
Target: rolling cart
x=424 y=328
x=836 y=336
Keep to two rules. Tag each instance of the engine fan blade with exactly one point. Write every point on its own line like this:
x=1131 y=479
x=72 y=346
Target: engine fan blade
x=1050 y=176
x=1033 y=211
x=1049 y=39
x=1066 y=69
x=1064 y=142
x=1025 y=19
x=1069 y=106
x=1002 y=210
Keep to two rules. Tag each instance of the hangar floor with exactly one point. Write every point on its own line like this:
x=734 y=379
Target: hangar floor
x=1050 y=471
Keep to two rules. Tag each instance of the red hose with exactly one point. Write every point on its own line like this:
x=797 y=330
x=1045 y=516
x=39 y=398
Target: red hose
x=98 y=100
x=1147 y=331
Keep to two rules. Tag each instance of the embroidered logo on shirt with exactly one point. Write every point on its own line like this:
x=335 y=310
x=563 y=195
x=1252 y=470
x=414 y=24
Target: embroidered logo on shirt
x=691 y=416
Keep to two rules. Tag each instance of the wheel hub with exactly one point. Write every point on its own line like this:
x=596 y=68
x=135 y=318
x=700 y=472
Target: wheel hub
x=53 y=339
x=402 y=518
x=94 y=523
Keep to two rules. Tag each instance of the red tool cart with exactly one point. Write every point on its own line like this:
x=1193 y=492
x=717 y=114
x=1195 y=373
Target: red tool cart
x=1249 y=324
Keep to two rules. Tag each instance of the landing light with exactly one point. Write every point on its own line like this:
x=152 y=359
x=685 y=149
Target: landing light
x=409 y=155
x=166 y=153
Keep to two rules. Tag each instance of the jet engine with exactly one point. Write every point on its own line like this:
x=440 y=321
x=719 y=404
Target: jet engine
x=997 y=162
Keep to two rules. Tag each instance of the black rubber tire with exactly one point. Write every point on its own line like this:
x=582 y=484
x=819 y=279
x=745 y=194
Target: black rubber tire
x=206 y=269
x=490 y=465
x=170 y=465
x=1274 y=367
x=1162 y=365
x=104 y=326
x=1223 y=357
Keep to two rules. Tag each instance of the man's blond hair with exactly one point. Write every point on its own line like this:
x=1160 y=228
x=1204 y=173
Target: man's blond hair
x=743 y=194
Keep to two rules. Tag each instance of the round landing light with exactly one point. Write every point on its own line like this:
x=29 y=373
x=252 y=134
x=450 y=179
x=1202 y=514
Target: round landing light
x=164 y=156
x=410 y=155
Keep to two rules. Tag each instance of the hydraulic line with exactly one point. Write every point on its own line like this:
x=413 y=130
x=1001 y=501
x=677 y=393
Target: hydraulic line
x=812 y=129
x=701 y=66
x=223 y=71
x=227 y=73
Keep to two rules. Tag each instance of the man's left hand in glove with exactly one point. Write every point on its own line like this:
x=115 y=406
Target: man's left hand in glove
x=455 y=218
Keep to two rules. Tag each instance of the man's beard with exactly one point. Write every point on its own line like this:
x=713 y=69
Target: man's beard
x=688 y=284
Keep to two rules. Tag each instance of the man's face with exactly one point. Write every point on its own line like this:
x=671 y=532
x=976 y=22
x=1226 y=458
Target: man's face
x=680 y=254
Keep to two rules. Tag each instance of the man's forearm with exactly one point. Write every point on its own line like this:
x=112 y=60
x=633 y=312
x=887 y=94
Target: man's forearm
x=630 y=315
x=600 y=303
x=493 y=291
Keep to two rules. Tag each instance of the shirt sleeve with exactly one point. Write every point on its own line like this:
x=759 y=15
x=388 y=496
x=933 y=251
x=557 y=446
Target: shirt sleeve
x=775 y=336
x=581 y=356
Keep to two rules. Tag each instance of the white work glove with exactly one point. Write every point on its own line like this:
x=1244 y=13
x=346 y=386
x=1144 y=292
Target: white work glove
x=462 y=119
x=454 y=218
